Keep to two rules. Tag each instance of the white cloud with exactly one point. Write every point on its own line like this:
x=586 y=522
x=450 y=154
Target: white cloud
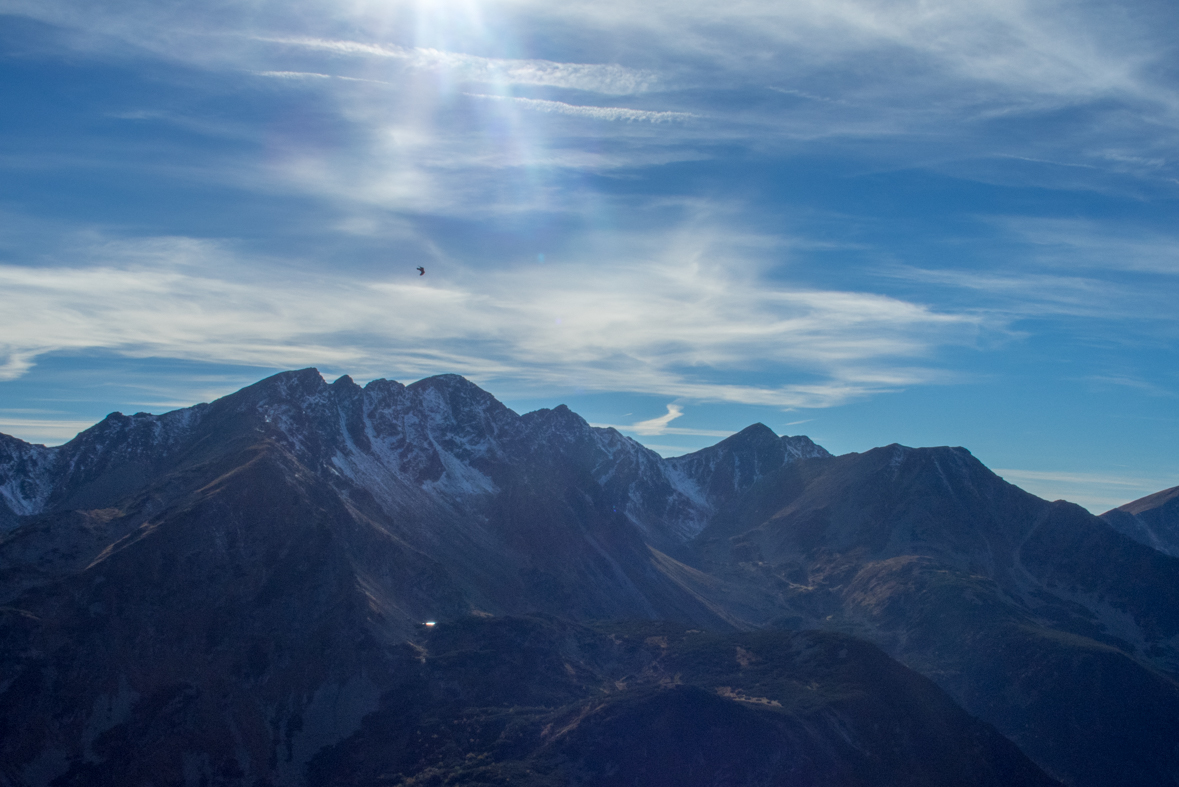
x=1031 y=294
x=599 y=78
x=917 y=80
x=1037 y=47
x=597 y=113
x=1075 y=243
x=804 y=94
x=42 y=430
x=292 y=75
x=659 y=426
x=685 y=323
x=1052 y=268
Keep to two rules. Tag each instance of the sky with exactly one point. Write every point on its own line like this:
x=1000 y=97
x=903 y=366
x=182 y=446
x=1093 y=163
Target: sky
x=914 y=221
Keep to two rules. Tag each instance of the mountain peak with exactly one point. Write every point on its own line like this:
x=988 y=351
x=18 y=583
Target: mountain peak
x=457 y=394
x=446 y=382
x=737 y=462
x=307 y=376
x=756 y=431
x=298 y=383
x=558 y=420
x=562 y=413
x=755 y=439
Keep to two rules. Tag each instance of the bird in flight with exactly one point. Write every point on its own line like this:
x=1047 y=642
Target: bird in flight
x=421 y=271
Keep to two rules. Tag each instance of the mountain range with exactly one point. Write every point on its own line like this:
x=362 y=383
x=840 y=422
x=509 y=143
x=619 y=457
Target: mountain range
x=236 y=593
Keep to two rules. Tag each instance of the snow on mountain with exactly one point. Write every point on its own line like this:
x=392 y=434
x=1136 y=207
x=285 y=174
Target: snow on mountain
x=440 y=442
x=112 y=457
x=25 y=472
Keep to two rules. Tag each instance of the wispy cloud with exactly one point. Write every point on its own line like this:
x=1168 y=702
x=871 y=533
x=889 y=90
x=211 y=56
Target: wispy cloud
x=43 y=430
x=1136 y=383
x=597 y=113
x=681 y=324
x=292 y=75
x=804 y=94
x=599 y=78
x=1079 y=478
x=1029 y=293
x=909 y=82
x=659 y=426
x=1050 y=268
x=1098 y=492
x=655 y=426
x=1021 y=48
x=1087 y=244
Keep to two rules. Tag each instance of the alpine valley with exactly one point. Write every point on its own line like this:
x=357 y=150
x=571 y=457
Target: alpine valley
x=236 y=594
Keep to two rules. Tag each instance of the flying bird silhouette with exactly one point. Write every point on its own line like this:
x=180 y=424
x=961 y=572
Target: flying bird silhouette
x=421 y=271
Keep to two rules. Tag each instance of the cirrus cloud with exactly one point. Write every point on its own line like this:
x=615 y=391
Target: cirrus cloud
x=689 y=322
x=599 y=78
x=597 y=113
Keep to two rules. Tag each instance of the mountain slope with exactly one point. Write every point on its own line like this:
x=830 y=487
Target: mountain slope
x=222 y=626
x=1036 y=616
x=544 y=702
x=1152 y=520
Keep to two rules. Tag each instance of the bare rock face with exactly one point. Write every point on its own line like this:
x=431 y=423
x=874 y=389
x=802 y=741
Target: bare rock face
x=234 y=594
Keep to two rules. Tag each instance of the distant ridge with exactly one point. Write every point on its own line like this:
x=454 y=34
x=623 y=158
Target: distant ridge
x=1152 y=520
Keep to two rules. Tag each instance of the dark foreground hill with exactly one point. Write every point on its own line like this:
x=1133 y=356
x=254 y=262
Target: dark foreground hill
x=533 y=701
x=233 y=594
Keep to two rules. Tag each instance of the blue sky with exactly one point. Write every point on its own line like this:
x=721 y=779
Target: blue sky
x=869 y=222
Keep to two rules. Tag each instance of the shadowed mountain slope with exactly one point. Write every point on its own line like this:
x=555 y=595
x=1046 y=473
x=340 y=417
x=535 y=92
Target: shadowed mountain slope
x=1036 y=616
x=1152 y=520
x=542 y=702
x=529 y=513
